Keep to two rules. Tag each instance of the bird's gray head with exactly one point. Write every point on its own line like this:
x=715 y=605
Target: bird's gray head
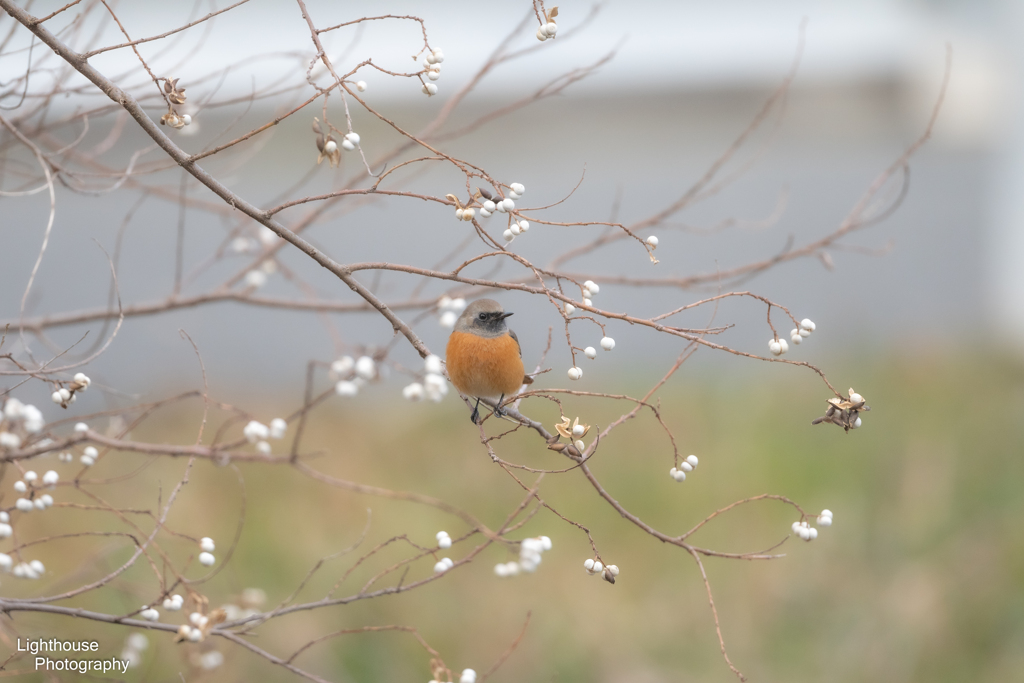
x=483 y=317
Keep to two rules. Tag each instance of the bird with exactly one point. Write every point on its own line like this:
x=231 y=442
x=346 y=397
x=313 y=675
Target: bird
x=483 y=356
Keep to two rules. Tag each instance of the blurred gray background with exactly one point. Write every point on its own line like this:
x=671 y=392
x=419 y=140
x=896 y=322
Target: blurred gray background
x=686 y=80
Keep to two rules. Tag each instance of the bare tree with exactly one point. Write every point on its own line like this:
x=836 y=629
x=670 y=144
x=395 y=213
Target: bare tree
x=38 y=158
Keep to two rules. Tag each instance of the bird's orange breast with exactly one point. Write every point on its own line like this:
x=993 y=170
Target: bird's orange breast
x=481 y=366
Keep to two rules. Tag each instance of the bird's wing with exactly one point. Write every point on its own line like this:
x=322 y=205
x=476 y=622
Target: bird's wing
x=516 y=340
x=526 y=378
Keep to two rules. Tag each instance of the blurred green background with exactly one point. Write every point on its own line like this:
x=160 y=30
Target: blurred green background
x=921 y=577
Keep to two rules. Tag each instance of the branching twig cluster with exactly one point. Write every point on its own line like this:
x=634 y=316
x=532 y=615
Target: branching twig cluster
x=34 y=159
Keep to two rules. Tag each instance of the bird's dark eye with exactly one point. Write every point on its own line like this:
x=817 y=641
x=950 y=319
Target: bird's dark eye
x=482 y=316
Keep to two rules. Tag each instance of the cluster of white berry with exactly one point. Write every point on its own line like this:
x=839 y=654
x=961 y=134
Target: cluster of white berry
x=149 y=613
x=432 y=63
x=206 y=557
x=688 y=465
x=517 y=225
x=66 y=395
x=30 y=484
x=593 y=567
x=468 y=676
x=267 y=237
x=434 y=386
x=6 y=531
x=248 y=604
x=590 y=289
x=530 y=551
x=195 y=631
x=258 y=433
x=22 y=570
x=134 y=644
x=244 y=245
x=352 y=374
x=173 y=603
x=89 y=455
x=349 y=142
x=208 y=660
x=548 y=27
x=175 y=120
x=809 y=533
x=18 y=421
x=796 y=335
x=257 y=277
x=443 y=540
x=450 y=310
x=443 y=565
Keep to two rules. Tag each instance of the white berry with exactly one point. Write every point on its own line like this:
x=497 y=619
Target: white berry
x=607 y=343
x=590 y=352
x=361 y=86
x=652 y=241
x=575 y=373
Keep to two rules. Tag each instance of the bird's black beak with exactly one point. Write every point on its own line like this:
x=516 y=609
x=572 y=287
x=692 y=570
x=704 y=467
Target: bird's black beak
x=504 y=315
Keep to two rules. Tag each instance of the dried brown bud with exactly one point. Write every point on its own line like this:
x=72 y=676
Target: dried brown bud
x=174 y=95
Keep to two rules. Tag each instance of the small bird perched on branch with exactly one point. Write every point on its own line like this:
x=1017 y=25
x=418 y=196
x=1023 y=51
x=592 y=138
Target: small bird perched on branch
x=483 y=356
